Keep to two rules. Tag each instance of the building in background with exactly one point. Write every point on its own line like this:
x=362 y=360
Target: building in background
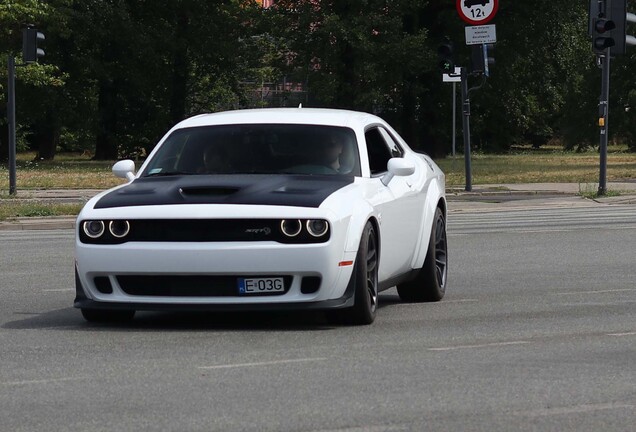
x=279 y=93
x=265 y=3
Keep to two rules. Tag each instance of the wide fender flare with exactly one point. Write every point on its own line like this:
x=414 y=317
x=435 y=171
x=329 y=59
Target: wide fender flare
x=363 y=213
x=435 y=193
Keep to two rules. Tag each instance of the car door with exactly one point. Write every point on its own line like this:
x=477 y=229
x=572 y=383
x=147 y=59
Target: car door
x=399 y=210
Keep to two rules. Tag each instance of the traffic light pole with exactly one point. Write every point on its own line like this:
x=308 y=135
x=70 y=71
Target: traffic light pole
x=604 y=122
x=11 y=119
x=454 y=117
x=466 y=129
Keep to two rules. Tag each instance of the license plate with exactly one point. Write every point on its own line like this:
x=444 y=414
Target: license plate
x=260 y=285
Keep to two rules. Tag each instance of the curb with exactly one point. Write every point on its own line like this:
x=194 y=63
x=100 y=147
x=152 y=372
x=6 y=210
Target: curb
x=39 y=223
x=504 y=193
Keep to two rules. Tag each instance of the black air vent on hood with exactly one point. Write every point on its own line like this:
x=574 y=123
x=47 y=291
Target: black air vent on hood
x=208 y=191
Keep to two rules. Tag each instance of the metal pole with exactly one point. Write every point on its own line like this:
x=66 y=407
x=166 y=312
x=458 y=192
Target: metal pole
x=454 y=115
x=466 y=128
x=11 y=119
x=604 y=111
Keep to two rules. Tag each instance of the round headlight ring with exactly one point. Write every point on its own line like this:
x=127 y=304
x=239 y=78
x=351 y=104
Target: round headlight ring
x=94 y=228
x=291 y=227
x=119 y=228
x=317 y=227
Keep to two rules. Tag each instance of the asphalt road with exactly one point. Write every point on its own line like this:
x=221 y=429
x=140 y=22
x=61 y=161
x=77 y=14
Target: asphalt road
x=537 y=332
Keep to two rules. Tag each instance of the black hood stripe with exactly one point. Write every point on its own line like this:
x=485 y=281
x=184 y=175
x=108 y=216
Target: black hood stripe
x=283 y=190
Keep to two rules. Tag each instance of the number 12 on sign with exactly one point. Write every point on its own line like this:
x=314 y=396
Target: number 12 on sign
x=477 y=12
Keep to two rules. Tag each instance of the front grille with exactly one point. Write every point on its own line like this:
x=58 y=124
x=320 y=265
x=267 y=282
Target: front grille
x=204 y=230
x=188 y=286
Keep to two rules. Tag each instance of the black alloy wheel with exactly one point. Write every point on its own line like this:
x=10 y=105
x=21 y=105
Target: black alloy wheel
x=365 y=280
x=429 y=284
x=441 y=251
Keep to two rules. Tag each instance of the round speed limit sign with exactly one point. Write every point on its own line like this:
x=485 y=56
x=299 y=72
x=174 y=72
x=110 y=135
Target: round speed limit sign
x=477 y=12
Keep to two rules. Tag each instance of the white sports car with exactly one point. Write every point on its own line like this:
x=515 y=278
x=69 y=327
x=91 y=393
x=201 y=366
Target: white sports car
x=273 y=209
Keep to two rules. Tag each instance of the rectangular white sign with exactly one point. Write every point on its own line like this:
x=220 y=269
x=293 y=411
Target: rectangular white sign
x=456 y=77
x=485 y=34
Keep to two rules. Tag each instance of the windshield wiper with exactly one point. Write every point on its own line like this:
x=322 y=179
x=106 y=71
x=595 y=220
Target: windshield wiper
x=168 y=173
x=257 y=172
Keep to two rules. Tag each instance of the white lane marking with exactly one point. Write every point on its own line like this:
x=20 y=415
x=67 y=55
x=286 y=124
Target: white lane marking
x=43 y=381
x=58 y=290
x=442 y=303
x=596 y=292
x=387 y=428
x=623 y=334
x=600 y=304
x=488 y=345
x=462 y=301
x=519 y=230
x=276 y=362
x=580 y=409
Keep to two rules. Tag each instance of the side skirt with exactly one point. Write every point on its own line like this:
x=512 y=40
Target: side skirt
x=390 y=283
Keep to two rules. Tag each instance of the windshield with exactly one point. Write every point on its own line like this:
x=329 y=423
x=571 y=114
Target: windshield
x=257 y=149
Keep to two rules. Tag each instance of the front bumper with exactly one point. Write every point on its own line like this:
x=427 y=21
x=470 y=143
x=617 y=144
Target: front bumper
x=95 y=263
x=83 y=302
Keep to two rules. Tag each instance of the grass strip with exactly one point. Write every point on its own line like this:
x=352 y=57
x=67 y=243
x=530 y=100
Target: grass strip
x=10 y=209
x=541 y=168
x=70 y=171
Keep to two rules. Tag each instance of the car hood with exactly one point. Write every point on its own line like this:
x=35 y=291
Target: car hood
x=281 y=190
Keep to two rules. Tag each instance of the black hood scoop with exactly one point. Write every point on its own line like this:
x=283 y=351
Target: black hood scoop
x=283 y=190
x=207 y=191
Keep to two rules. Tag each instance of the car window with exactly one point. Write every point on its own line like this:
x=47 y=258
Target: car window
x=394 y=147
x=378 y=150
x=258 y=149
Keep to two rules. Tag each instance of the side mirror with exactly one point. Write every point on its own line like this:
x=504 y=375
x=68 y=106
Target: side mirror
x=399 y=167
x=125 y=169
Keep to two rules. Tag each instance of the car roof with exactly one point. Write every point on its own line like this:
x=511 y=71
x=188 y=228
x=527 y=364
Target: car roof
x=312 y=116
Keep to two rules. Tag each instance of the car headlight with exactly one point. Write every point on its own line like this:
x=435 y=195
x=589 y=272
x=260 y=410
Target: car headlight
x=119 y=228
x=317 y=227
x=291 y=227
x=93 y=229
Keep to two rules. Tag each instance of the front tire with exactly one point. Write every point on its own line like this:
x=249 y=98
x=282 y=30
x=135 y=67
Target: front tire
x=430 y=283
x=365 y=304
x=107 y=316
x=365 y=280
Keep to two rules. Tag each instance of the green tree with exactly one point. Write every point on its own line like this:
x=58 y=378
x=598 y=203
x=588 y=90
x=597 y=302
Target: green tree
x=367 y=55
x=543 y=60
x=119 y=73
x=151 y=64
x=36 y=84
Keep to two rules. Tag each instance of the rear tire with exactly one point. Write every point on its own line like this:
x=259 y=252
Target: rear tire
x=107 y=316
x=430 y=283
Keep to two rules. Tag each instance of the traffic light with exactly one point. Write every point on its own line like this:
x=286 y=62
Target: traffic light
x=618 y=14
x=446 y=53
x=601 y=38
x=607 y=26
x=30 y=50
x=482 y=56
